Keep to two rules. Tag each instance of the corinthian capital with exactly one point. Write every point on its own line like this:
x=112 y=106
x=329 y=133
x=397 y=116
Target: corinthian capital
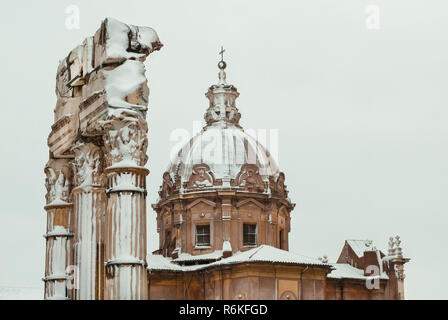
x=57 y=182
x=87 y=164
x=125 y=138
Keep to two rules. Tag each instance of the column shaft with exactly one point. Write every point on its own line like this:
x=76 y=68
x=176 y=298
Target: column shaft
x=126 y=275
x=58 y=258
x=89 y=209
x=58 y=251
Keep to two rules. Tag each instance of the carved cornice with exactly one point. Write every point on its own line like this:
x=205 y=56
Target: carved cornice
x=250 y=200
x=91 y=99
x=206 y=201
x=60 y=123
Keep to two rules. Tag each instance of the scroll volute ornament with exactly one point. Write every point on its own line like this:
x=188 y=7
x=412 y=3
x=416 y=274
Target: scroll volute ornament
x=201 y=177
x=125 y=139
x=249 y=178
x=88 y=164
x=57 y=182
x=167 y=186
x=277 y=186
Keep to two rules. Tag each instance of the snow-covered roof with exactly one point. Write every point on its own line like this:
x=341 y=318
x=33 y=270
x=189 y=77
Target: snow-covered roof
x=263 y=253
x=347 y=271
x=184 y=257
x=161 y=263
x=359 y=246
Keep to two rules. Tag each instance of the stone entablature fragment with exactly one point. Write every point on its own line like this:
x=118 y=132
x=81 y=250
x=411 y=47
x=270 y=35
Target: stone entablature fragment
x=105 y=71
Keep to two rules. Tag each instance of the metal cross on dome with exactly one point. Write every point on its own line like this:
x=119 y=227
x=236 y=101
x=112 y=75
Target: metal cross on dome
x=222 y=53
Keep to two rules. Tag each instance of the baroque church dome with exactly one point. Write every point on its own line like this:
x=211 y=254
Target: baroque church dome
x=222 y=155
x=222 y=150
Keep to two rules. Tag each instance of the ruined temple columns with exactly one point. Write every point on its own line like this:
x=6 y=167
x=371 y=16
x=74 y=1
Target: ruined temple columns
x=89 y=199
x=125 y=141
x=58 y=236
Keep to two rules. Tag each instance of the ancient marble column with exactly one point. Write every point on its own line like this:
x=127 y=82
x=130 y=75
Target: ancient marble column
x=125 y=141
x=58 y=236
x=89 y=197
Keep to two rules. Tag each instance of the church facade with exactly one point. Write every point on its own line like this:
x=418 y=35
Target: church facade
x=223 y=212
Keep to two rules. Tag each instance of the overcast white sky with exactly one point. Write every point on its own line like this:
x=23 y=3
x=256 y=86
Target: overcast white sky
x=362 y=114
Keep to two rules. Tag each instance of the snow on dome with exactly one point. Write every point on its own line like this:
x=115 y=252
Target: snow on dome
x=225 y=148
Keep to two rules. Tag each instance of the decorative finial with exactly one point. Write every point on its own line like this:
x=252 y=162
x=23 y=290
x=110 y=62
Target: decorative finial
x=399 y=251
x=391 y=246
x=222 y=65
